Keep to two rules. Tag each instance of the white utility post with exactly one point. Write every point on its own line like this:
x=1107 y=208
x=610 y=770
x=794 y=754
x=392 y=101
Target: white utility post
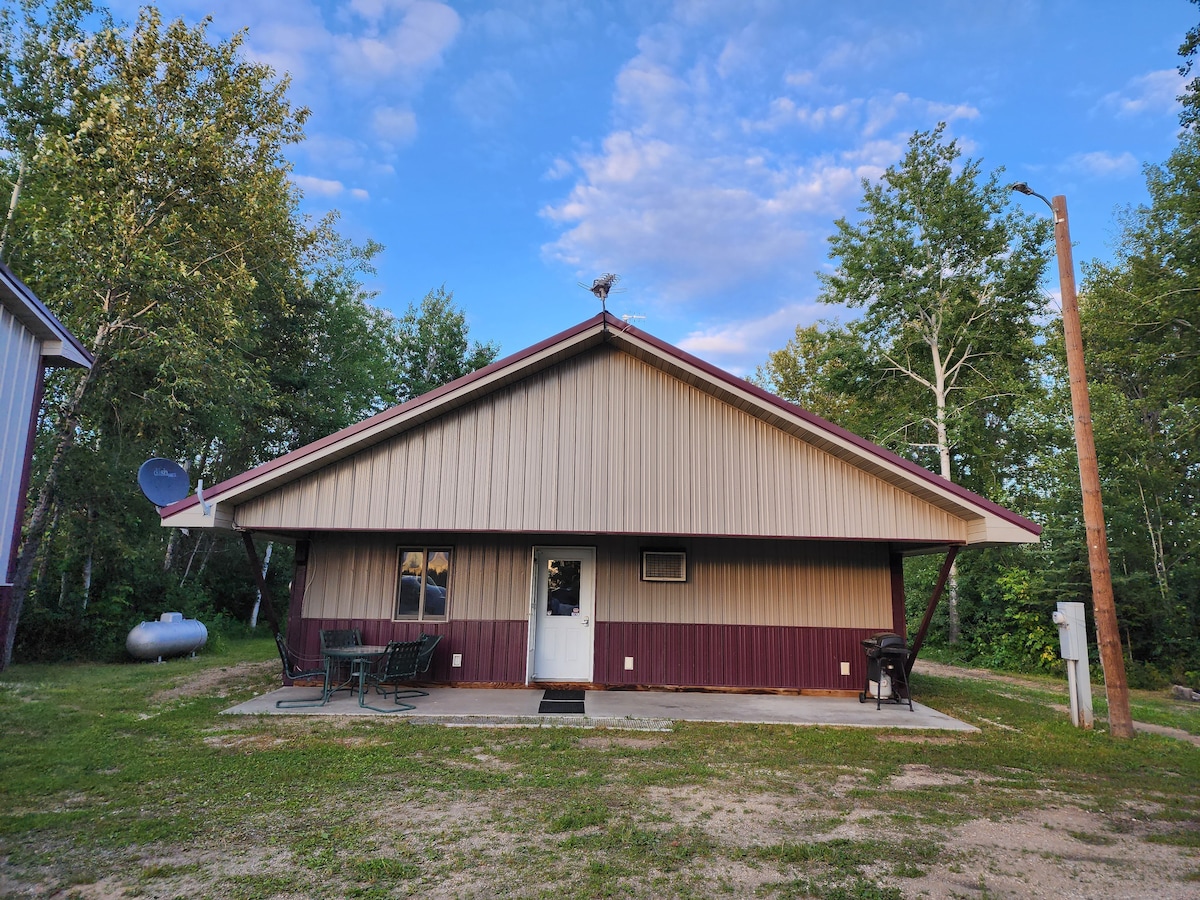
x=1072 y=636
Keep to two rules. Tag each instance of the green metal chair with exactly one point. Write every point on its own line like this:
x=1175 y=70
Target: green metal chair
x=400 y=664
x=341 y=637
x=292 y=673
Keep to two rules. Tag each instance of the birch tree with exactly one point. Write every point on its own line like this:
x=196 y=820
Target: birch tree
x=947 y=276
x=157 y=217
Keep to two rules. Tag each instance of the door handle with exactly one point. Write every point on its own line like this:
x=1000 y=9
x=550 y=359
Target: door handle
x=586 y=621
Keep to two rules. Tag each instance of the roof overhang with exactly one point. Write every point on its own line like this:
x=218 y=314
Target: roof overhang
x=58 y=346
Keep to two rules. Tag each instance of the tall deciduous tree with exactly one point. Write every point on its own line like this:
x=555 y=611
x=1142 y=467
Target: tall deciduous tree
x=948 y=279
x=157 y=216
x=431 y=347
x=1142 y=326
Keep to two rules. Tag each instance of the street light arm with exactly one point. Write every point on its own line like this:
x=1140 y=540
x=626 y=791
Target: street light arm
x=1022 y=188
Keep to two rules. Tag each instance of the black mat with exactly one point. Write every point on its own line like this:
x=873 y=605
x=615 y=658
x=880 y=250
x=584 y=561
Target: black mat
x=561 y=703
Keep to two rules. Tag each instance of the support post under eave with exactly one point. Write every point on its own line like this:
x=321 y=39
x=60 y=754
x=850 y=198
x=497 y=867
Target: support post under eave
x=268 y=607
x=933 y=602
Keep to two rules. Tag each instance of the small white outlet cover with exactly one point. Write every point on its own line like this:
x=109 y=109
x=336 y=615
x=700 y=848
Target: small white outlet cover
x=845 y=668
x=456 y=660
x=629 y=664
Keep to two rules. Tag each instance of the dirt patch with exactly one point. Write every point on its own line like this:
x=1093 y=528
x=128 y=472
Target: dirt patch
x=1057 y=852
x=216 y=682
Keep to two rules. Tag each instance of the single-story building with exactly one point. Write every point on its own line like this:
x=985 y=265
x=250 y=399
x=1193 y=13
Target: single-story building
x=31 y=340
x=603 y=508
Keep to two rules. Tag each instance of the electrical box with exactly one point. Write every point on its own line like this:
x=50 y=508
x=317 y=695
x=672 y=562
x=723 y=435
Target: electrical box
x=1072 y=630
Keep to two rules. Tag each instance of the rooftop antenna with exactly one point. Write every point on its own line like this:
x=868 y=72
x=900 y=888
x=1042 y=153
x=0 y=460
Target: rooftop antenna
x=601 y=286
x=629 y=319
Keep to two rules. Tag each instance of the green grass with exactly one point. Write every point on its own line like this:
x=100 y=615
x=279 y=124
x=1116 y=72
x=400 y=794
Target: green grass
x=111 y=774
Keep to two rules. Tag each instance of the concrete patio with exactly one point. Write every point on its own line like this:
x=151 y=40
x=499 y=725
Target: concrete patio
x=637 y=710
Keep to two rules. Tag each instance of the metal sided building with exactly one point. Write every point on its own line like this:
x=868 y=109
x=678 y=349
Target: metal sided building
x=605 y=509
x=31 y=339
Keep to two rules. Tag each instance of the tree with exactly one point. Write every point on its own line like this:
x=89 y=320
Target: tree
x=812 y=369
x=157 y=216
x=1189 y=115
x=948 y=279
x=1141 y=323
x=430 y=346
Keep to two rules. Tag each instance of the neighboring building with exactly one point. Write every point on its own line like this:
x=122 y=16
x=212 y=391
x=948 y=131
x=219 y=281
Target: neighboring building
x=604 y=508
x=31 y=339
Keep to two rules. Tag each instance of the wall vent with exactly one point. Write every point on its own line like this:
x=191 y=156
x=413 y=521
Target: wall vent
x=664 y=565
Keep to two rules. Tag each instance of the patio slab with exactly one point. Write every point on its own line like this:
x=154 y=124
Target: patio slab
x=636 y=710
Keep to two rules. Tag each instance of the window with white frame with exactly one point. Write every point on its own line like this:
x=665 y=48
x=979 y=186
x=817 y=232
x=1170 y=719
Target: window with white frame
x=423 y=592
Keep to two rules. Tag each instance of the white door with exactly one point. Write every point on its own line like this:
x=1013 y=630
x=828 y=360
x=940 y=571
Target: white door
x=564 y=604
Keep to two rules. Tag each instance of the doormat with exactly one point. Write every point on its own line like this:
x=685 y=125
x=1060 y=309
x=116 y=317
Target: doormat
x=562 y=703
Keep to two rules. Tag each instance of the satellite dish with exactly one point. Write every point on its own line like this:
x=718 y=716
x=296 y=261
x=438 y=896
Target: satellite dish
x=163 y=481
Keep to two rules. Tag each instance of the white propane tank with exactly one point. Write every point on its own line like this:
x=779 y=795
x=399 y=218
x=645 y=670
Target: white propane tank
x=171 y=635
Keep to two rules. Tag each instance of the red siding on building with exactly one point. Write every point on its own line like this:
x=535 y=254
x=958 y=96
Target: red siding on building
x=744 y=656
x=493 y=651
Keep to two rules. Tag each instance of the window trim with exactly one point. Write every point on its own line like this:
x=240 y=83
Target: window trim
x=425 y=551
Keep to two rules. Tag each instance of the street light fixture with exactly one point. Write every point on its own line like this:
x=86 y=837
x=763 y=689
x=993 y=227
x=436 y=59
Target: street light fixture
x=1120 y=721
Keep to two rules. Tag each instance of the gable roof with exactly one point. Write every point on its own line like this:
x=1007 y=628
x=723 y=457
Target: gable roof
x=987 y=521
x=58 y=346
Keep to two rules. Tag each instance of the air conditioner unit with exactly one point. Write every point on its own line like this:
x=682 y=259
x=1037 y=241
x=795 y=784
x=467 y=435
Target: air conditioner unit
x=664 y=565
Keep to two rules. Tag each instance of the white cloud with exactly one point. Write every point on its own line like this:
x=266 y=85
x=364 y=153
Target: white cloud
x=326 y=187
x=702 y=223
x=867 y=116
x=322 y=187
x=391 y=48
x=559 y=169
x=740 y=344
x=1102 y=164
x=396 y=126
x=1154 y=92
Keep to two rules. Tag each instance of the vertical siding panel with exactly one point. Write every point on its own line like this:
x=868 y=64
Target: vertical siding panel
x=20 y=362
x=601 y=443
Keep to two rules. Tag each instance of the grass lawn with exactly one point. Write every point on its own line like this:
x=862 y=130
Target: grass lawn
x=125 y=781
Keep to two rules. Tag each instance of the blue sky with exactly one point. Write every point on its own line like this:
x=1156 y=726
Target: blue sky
x=701 y=149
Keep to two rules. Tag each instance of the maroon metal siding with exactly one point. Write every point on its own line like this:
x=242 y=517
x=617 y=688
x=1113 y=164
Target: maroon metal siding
x=747 y=656
x=493 y=651
x=739 y=656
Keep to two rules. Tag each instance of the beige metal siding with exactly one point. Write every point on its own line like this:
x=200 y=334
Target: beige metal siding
x=20 y=361
x=354 y=576
x=602 y=443
x=747 y=582
x=730 y=582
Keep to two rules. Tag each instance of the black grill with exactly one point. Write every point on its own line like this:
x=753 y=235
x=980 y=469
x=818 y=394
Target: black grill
x=887 y=666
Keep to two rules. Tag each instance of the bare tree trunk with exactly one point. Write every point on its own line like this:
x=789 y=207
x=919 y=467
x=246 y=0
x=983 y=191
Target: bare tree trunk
x=191 y=559
x=12 y=206
x=172 y=545
x=258 y=593
x=39 y=519
x=943 y=442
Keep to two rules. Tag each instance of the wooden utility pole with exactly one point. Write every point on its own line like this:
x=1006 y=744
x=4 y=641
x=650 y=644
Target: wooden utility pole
x=1108 y=637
